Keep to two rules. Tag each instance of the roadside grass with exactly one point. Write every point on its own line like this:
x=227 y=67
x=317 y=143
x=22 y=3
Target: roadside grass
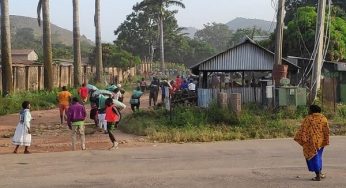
x=192 y=124
x=40 y=100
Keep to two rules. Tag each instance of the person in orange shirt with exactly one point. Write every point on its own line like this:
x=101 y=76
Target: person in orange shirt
x=83 y=93
x=64 y=98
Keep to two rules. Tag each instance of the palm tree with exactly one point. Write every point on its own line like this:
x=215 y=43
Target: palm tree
x=99 y=66
x=160 y=7
x=47 y=42
x=6 y=58
x=76 y=46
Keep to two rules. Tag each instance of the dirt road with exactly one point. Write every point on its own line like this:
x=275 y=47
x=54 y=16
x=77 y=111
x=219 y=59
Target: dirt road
x=240 y=164
x=50 y=136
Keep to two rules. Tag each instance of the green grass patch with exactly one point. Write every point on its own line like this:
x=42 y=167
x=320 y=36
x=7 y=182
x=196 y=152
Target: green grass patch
x=40 y=100
x=192 y=124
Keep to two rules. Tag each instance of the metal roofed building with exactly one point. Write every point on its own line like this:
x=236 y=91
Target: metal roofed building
x=245 y=66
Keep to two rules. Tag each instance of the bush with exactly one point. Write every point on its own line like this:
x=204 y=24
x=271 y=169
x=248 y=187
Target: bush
x=217 y=115
x=40 y=100
x=192 y=124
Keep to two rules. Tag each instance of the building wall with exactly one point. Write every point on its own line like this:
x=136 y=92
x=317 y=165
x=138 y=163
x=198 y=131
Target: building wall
x=33 y=56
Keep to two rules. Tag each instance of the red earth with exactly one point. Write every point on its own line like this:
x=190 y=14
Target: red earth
x=49 y=136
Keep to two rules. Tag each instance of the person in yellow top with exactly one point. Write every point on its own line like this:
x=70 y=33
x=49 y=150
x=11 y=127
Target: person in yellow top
x=313 y=136
x=64 y=99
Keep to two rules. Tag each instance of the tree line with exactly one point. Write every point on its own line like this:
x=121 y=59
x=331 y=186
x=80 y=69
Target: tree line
x=43 y=9
x=151 y=32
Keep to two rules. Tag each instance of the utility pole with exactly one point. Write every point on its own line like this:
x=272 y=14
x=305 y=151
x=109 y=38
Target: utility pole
x=278 y=48
x=318 y=61
x=279 y=32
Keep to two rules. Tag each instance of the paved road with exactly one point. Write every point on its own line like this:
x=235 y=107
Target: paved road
x=257 y=163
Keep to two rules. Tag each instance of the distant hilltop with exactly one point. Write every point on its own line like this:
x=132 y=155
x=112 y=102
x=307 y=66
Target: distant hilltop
x=243 y=23
x=240 y=23
x=59 y=35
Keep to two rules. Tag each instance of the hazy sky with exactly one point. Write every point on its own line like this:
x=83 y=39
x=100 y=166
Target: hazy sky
x=113 y=12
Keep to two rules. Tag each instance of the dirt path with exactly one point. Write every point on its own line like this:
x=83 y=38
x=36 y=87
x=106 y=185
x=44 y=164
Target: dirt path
x=49 y=136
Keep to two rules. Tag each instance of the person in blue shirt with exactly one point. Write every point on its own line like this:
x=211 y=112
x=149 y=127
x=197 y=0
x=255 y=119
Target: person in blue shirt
x=184 y=85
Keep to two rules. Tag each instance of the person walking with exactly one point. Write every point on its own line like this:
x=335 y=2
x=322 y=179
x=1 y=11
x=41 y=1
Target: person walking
x=122 y=92
x=83 y=93
x=192 y=86
x=143 y=85
x=101 y=114
x=154 y=91
x=113 y=117
x=313 y=136
x=64 y=98
x=135 y=99
x=76 y=115
x=22 y=136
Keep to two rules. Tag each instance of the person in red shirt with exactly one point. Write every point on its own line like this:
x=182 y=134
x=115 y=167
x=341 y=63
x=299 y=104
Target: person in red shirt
x=113 y=117
x=83 y=93
x=178 y=82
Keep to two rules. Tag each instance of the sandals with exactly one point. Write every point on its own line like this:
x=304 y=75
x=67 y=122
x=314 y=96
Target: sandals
x=316 y=179
x=322 y=176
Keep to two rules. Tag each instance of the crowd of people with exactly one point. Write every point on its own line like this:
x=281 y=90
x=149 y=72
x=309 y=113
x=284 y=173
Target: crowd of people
x=105 y=108
x=156 y=85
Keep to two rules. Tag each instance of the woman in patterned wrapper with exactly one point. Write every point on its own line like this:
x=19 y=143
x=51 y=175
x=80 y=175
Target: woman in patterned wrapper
x=313 y=136
x=22 y=136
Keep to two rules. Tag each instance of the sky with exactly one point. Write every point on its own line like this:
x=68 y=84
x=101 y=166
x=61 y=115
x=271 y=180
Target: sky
x=113 y=13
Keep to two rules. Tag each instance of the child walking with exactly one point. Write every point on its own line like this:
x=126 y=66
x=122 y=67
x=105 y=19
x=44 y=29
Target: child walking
x=113 y=117
x=22 y=136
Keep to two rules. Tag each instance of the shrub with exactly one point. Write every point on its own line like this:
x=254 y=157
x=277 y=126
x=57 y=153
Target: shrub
x=39 y=100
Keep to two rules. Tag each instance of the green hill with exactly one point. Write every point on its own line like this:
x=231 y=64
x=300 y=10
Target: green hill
x=59 y=35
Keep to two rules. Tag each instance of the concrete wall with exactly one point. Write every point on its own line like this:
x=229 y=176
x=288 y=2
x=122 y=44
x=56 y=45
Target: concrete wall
x=31 y=77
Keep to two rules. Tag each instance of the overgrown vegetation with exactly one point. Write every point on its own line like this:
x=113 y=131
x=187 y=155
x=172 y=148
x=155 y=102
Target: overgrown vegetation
x=40 y=100
x=193 y=124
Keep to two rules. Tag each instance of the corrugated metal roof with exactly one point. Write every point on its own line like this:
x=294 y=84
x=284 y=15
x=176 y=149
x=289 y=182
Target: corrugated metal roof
x=246 y=56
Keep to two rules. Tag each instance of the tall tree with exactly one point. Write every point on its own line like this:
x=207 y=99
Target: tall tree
x=159 y=6
x=137 y=34
x=99 y=64
x=6 y=59
x=301 y=31
x=43 y=5
x=77 y=56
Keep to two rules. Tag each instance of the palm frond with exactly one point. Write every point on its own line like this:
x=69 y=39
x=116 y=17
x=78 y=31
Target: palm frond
x=174 y=3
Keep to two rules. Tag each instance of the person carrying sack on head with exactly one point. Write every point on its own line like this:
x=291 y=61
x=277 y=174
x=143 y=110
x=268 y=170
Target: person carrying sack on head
x=113 y=117
x=135 y=99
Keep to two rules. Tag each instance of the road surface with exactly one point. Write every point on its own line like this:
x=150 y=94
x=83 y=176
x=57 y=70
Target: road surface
x=256 y=163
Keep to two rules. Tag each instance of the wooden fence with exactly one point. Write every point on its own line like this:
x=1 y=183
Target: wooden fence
x=30 y=77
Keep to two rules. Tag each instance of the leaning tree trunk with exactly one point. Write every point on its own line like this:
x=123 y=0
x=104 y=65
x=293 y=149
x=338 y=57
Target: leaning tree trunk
x=162 y=49
x=77 y=71
x=47 y=47
x=99 y=66
x=6 y=58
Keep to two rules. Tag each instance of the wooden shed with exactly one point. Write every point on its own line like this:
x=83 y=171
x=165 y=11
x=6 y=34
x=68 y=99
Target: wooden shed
x=245 y=68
